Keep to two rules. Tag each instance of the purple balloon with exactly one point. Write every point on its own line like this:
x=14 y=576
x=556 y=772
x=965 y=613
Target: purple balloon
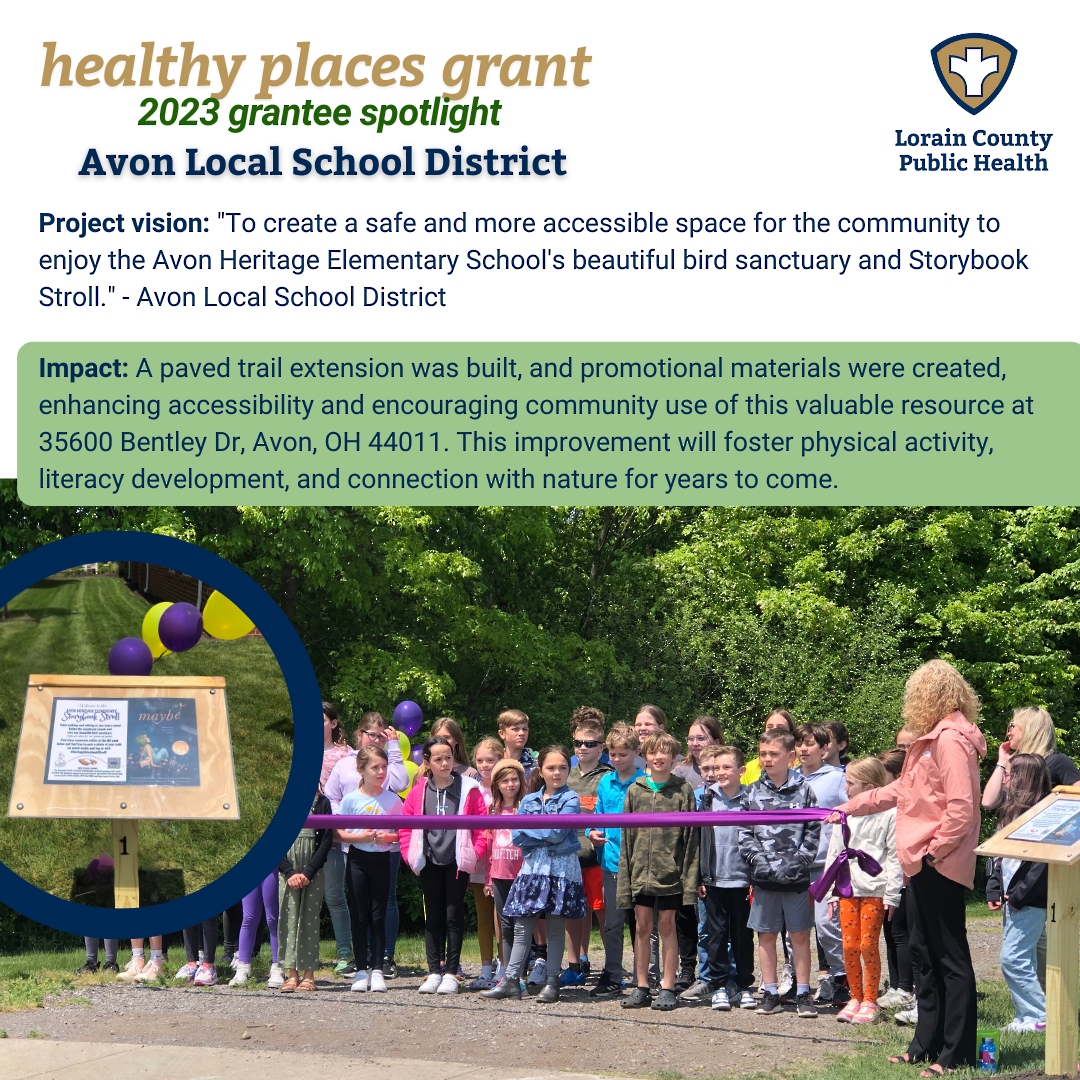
x=131 y=656
x=416 y=755
x=180 y=627
x=408 y=716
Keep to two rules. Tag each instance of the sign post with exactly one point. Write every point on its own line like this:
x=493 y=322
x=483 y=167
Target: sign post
x=125 y=748
x=1050 y=832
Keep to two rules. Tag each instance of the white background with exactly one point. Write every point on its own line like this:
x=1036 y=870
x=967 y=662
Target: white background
x=705 y=109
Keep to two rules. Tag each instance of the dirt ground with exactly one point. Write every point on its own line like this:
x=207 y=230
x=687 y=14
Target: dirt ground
x=575 y=1034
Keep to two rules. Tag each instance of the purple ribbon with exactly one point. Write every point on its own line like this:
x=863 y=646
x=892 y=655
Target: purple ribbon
x=693 y=818
x=839 y=873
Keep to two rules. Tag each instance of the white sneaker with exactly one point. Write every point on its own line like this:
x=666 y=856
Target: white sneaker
x=907 y=1016
x=277 y=977
x=826 y=990
x=133 y=970
x=432 y=983
x=498 y=974
x=234 y=962
x=205 y=976
x=188 y=971
x=377 y=983
x=360 y=982
x=448 y=985
x=243 y=973
x=786 y=982
x=747 y=1000
x=538 y=975
x=151 y=971
x=1019 y=1026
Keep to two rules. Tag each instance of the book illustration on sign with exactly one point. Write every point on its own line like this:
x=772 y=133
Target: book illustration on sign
x=144 y=741
x=1058 y=824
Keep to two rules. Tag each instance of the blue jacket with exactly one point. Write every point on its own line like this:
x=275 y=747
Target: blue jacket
x=610 y=797
x=558 y=841
x=830 y=789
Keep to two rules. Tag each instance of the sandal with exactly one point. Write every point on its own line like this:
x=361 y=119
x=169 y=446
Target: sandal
x=306 y=984
x=934 y=1070
x=903 y=1059
x=289 y=985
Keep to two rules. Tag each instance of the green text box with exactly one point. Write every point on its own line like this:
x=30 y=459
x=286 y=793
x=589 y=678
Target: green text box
x=183 y=423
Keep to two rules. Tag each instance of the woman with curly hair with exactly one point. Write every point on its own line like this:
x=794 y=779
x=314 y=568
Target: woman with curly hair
x=937 y=829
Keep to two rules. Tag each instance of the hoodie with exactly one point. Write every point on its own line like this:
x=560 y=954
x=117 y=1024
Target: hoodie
x=936 y=797
x=781 y=857
x=470 y=845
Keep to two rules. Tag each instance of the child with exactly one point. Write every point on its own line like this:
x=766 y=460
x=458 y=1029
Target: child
x=659 y=868
x=780 y=859
x=300 y=897
x=704 y=731
x=443 y=859
x=513 y=727
x=812 y=743
x=550 y=876
x=725 y=884
x=1023 y=888
x=504 y=856
x=263 y=898
x=450 y=730
x=622 y=748
x=486 y=754
x=872 y=900
x=836 y=754
x=587 y=732
x=777 y=720
x=371 y=856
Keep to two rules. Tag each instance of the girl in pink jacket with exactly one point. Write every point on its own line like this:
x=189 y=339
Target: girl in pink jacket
x=443 y=859
x=937 y=828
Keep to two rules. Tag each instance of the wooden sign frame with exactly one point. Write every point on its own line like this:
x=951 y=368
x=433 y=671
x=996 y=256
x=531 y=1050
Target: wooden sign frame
x=214 y=799
x=1002 y=844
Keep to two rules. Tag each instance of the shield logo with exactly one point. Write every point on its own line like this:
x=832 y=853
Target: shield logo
x=973 y=68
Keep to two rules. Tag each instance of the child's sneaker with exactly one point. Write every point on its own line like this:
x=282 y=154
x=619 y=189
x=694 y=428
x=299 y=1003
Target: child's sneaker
x=187 y=972
x=448 y=984
x=132 y=971
x=606 y=987
x=847 y=1013
x=538 y=975
x=904 y=999
x=89 y=968
x=889 y=1000
x=205 y=976
x=747 y=1000
x=698 y=990
x=826 y=990
x=769 y=1003
x=786 y=983
x=908 y=1016
x=344 y=968
x=243 y=973
x=389 y=968
x=721 y=1001
x=277 y=977
x=867 y=1014
x=1019 y=1026
x=111 y=966
x=360 y=983
x=804 y=1005
x=430 y=985
x=151 y=971
x=377 y=983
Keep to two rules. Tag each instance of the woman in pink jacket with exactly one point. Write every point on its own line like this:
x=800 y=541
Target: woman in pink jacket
x=443 y=859
x=937 y=828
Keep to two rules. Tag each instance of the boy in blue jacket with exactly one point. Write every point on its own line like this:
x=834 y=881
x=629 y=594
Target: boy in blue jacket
x=622 y=747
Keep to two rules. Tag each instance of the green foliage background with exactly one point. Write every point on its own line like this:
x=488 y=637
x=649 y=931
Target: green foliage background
x=729 y=610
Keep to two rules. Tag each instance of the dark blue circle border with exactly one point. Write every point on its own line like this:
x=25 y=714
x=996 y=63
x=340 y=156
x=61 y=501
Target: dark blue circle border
x=304 y=697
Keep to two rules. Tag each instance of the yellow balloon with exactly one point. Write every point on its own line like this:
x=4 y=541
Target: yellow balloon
x=150 y=630
x=223 y=619
x=412 y=769
x=406 y=746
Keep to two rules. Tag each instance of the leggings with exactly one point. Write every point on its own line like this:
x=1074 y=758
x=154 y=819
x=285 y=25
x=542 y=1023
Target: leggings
x=232 y=921
x=203 y=936
x=860 y=924
x=485 y=923
x=444 y=916
x=501 y=888
x=523 y=932
x=111 y=947
x=898 y=947
x=263 y=898
x=369 y=887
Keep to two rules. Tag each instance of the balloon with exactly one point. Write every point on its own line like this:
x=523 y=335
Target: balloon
x=223 y=619
x=130 y=656
x=417 y=755
x=180 y=627
x=408 y=717
x=412 y=769
x=406 y=746
x=150 y=630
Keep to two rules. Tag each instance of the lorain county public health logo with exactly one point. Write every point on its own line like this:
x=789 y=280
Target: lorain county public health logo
x=973 y=68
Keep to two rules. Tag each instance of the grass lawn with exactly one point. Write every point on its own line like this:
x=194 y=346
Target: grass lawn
x=66 y=625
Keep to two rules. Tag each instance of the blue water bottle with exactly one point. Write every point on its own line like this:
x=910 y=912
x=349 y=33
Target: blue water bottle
x=988 y=1054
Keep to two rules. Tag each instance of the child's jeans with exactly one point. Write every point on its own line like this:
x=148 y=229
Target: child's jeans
x=614 y=929
x=860 y=922
x=1018 y=964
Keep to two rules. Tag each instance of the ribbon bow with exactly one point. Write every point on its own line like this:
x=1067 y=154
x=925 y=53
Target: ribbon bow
x=839 y=872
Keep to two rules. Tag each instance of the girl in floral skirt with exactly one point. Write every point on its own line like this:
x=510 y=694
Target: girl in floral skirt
x=550 y=878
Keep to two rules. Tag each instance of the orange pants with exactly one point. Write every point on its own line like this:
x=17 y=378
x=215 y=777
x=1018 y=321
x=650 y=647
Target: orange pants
x=860 y=923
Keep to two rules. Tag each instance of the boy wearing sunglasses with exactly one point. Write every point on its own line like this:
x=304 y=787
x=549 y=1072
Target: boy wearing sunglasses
x=587 y=733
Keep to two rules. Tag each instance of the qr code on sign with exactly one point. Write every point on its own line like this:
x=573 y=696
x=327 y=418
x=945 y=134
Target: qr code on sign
x=114 y=763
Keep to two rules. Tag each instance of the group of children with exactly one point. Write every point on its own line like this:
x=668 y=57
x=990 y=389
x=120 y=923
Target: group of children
x=693 y=896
